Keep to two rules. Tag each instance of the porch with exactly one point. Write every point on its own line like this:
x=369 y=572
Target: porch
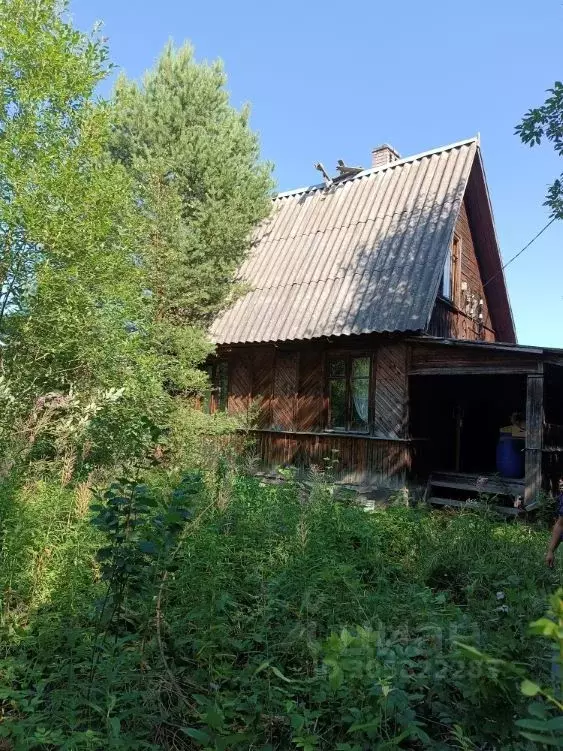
x=432 y=408
x=463 y=397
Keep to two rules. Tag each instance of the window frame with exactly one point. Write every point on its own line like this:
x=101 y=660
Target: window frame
x=453 y=264
x=216 y=397
x=348 y=378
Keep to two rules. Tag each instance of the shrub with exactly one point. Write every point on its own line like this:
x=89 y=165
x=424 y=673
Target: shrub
x=273 y=617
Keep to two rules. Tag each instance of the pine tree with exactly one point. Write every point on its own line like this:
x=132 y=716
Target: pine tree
x=203 y=188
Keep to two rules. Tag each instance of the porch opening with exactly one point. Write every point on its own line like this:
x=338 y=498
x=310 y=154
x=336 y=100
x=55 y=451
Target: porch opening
x=456 y=421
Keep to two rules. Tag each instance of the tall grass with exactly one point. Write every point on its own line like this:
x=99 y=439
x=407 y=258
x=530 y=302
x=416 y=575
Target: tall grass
x=283 y=619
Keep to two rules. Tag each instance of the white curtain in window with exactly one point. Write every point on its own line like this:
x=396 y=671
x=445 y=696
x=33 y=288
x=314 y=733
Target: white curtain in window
x=360 y=396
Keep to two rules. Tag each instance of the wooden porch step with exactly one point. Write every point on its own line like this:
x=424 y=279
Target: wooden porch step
x=450 y=502
x=479 y=484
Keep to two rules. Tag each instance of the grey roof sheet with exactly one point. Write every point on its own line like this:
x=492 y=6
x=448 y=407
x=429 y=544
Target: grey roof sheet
x=365 y=255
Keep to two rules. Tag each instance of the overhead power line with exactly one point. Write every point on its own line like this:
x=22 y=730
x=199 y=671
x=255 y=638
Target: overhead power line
x=520 y=251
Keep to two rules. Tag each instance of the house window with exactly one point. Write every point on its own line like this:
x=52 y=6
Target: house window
x=215 y=396
x=348 y=380
x=449 y=285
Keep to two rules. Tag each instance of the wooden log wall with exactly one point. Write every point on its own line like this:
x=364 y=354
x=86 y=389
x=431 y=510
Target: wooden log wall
x=391 y=392
x=449 y=319
x=284 y=390
x=311 y=398
x=286 y=385
x=360 y=460
x=449 y=359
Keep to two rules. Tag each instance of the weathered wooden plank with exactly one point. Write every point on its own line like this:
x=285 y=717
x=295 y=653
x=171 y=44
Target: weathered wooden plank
x=487 y=489
x=534 y=438
x=450 y=502
x=359 y=460
x=439 y=359
x=475 y=370
x=391 y=391
x=442 y=321
x=284 y=401
x=340 y=435
x=310 y=404
x=240 y=383
x=263 y=383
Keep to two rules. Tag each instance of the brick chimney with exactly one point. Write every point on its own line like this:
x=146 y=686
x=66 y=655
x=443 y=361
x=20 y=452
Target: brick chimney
x=384 y=154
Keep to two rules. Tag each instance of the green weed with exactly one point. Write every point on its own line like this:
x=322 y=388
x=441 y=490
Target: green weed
x=247 y=615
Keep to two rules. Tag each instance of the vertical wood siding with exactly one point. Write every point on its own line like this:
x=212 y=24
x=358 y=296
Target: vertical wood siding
x=359 y=460
x=443 y=321
x=391 y=392
x=284 y=402
x=449 y=321
x=289 y=386
x=471 y=274
x=263 y=359
x=310 y=404
x=240 y=383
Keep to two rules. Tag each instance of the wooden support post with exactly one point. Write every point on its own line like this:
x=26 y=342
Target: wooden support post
x=534 y=438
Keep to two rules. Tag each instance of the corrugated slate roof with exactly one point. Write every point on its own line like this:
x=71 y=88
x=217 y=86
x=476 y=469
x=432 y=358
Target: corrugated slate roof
x=365 y=255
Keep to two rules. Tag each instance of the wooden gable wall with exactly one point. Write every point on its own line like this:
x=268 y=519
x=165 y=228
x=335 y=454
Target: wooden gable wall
x=471 y=274
x=450 y=319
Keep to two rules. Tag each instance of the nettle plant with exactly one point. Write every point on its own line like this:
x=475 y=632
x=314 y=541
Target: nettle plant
x=544 y=723
x=142 y=535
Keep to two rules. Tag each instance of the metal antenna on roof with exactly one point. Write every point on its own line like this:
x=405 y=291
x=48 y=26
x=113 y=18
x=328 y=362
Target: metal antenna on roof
x=326 y=179
x=346 y=171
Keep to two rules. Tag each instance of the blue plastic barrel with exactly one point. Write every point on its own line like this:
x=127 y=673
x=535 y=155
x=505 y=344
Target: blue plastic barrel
x=510 y=457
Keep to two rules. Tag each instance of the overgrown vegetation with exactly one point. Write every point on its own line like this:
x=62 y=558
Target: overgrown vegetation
x=121 y=226
x=152 y=595
x=172 y=615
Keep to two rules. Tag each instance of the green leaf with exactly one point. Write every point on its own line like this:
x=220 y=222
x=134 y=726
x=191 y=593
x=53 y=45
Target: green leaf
x=198 y=735
x=372 y=725
x=115 y=726
x=297 y=721
x=545 y=740
x=336 y=678
x=226 y=742
x=528 y=688
x=214 y=718
x=147 y=547
x=537 y=710
x=261 y=667
x=544 y=627
x=280 y=675
x=555 y=723
x=470 y=651
x=531 y=724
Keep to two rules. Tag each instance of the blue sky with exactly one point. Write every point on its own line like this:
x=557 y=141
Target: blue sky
x=329 y=80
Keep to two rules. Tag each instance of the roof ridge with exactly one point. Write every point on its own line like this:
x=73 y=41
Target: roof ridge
x=371 y=170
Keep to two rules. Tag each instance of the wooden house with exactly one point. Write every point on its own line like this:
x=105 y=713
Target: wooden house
x=377 y=325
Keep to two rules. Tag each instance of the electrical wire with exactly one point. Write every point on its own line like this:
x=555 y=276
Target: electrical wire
x=520 y=251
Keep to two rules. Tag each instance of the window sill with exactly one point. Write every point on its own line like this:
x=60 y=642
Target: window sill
x=332 y=434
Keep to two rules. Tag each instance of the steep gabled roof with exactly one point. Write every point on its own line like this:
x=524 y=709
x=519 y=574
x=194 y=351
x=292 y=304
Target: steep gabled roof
x=365 y=255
